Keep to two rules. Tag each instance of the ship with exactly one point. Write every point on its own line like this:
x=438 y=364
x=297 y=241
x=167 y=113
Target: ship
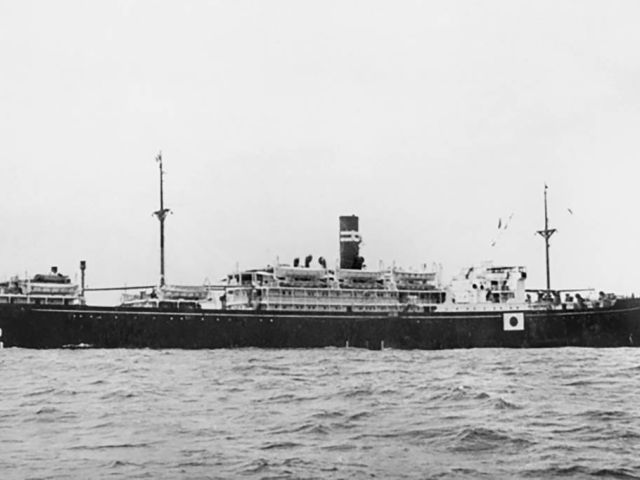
x=310 y=304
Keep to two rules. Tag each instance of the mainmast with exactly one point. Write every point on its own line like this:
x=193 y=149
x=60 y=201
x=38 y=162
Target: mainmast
x=546 y=234
x=161 y=214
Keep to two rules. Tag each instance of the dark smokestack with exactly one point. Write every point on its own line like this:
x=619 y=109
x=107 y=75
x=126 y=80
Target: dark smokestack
x=83 y=267
x=322 y=262
x=296 y=262
x=349 y=243
x=307 y=260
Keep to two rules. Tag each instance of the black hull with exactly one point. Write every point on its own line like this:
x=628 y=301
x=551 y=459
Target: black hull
x=49 y=327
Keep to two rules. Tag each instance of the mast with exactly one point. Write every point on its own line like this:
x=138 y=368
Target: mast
x=546 y=234
x=161 y=214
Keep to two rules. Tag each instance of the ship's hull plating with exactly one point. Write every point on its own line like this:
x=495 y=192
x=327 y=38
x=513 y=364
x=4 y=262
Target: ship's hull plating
x=49 y=327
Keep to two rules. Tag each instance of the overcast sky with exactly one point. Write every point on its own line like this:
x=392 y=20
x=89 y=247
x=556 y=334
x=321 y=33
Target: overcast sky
x=429 y=120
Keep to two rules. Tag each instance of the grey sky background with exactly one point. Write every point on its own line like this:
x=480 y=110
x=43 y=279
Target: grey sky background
x=429 y=120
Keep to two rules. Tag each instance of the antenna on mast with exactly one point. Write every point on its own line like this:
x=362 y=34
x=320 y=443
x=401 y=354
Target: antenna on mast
x=546 y=234
x=161 y=214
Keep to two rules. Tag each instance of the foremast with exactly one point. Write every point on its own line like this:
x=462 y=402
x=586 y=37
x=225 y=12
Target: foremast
x=162 y=215
x=546 y=234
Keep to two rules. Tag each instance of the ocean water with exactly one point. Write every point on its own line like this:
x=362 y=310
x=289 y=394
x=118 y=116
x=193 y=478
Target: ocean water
x=326 y=414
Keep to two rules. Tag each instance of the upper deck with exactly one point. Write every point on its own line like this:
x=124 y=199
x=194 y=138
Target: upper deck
x=42 y=289
x=321 y=289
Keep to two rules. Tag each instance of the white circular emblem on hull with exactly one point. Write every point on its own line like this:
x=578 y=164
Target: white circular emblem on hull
x=513 y=322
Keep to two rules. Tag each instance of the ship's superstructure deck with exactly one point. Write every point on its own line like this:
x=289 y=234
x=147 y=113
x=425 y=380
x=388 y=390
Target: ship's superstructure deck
x=42 y=289
x=482 y=288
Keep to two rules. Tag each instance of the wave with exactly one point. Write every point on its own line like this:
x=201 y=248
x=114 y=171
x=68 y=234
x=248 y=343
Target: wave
x=37 y=393
x=357 y=392
x=501 y=404
x=342 y=447
x=122 y=463
x=359 y=416
x=47 y=411
x=118 y=394
x=256 y=466
x=193 y=463
x=409 y=435
x=459 y=392
x=479 y=438
x=111 y=446
x=582 y=471
x=305 y=428
x=281 y=445
x=284 y=398
x=326 y=414
x=604 y=414
x=580 y=383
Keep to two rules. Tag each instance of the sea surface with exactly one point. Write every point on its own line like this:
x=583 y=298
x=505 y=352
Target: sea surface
x=327 y=414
